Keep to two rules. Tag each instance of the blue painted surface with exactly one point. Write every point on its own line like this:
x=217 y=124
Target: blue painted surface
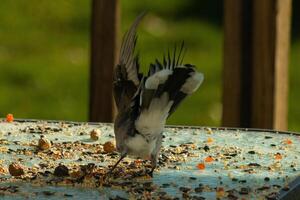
x=221 y=170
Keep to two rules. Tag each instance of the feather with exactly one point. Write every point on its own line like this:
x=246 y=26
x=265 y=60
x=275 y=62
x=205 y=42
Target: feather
x=151 y=121
x=179 y=55
x=127 y=58
x=126 y=73
x=171 y=79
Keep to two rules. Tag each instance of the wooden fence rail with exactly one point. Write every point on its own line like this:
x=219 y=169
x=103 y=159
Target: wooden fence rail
x=104 y=33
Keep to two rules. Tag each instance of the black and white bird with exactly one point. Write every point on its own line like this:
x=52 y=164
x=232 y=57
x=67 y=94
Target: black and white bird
x=144 y=103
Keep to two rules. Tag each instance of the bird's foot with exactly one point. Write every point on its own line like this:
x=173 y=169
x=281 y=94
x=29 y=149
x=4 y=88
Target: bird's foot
x=150 y=173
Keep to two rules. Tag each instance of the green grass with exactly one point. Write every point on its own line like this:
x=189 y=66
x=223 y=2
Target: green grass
x=294 y=83
x=44 y=58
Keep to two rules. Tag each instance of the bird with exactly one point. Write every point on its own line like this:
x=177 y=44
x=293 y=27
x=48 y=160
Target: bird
x=145 y=102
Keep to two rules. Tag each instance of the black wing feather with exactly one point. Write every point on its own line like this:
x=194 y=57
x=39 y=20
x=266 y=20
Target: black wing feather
x=173 y=83
x=126 y=73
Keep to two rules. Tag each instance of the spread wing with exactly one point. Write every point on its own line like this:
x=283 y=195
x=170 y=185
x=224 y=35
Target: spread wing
x=126 y=74
x=165 y=87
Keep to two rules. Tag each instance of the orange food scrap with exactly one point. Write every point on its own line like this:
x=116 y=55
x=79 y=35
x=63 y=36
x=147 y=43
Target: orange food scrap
x=278 y=156
x=3 y=170
x=9 y=118
x=220 y=192
x=288 y=141
x=201 y=166
x=243 y=167
x=209 y=159
x=209 y=140
x=137 y=162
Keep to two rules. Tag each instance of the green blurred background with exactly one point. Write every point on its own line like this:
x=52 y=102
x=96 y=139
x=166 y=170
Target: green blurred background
x=44 y=55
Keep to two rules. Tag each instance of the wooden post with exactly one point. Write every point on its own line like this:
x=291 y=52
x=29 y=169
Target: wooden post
x=256 y=43
x=236 y=21
x=104 y=31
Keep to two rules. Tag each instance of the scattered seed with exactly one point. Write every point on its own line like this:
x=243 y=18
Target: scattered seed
x=95 y=134
x=209 y=140
x=263 y=188
x=251 y=152
x=61 y=170
x=198 y=189
x=165 y=185
x=254 y=165
x=48 y=193
x=15 y=169
x=278 y=156
x=244 y=191
x=272 y=196
x=109 y=147
x=267 y=179
x=206 y=148
x=184 y=189
x=44 y=143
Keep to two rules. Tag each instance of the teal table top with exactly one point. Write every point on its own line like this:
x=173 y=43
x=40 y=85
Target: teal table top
x=195 y=163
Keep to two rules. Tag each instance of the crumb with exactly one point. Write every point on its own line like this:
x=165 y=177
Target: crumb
x=15 y=169
x=44 y=143
x=109 y=147
x=61 y=170
x=95 y=134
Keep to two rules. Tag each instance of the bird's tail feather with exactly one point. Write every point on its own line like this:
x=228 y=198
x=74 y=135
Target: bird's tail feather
x=167 y=84
x=176 y=84
x=160 y=95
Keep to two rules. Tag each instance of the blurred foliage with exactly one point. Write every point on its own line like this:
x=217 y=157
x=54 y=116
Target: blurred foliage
x=44 y=59
x=44 y=55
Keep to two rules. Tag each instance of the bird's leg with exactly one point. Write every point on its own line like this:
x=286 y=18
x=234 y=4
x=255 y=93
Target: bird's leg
x=153 y=164
x=121 y=158
x=154 y=154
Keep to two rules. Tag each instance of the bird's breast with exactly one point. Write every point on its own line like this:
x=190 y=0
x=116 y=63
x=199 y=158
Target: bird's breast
x=140 y=146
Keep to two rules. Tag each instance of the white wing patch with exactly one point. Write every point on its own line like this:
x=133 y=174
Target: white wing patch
x=152 y=120
x=192 y=83
x=158 y=78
